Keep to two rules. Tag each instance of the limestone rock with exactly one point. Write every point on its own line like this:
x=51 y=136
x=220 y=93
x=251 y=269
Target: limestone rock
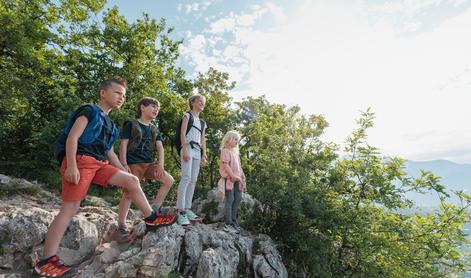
x=212 y=208
x=215 y=263
x=267 y=261
x=205 y=250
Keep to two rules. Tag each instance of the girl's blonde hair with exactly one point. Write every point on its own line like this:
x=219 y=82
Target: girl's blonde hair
x=193 y=98
x=232 y=134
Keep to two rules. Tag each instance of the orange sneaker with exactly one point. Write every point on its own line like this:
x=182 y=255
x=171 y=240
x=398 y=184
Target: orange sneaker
x=53 y=267
x=161 y=220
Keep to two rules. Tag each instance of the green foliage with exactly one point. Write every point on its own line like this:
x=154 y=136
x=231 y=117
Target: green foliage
x=331 y=215
x=338 y=217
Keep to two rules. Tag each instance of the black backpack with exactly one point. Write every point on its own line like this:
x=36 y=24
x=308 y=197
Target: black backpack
x=177 y=142
x=136 y=135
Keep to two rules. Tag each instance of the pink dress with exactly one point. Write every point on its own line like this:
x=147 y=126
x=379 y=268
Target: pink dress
x=230 y=157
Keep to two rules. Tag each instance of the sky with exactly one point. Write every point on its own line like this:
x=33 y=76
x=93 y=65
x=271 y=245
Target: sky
x=409 y=61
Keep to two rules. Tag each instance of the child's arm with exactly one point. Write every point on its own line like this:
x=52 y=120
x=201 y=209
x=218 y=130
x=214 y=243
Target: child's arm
x=160 y=166
x=123 y=150
x=225 y=160
x=244 y=180
x=185 y=154
x=72 y=173
x=114 y=160
x=203 y=146
x=230 y=173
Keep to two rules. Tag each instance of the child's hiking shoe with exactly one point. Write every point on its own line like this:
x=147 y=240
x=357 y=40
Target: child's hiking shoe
x=193 y=217
x=169 y=218
x=236 y=226
x=122 y=235
x=182 y=219
x=53 y=267
x=157 y=220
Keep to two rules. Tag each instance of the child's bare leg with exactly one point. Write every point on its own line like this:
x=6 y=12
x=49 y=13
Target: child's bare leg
x=166 y=183
x=130 y=184
x=58 y=226
x=124 y=205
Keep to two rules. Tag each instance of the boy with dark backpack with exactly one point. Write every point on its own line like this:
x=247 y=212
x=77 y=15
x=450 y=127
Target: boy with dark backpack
x=85 y=148
x=191 y=144
x=139 y=140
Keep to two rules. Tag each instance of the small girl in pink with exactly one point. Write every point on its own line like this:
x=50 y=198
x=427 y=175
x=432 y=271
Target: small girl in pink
x=233 y=175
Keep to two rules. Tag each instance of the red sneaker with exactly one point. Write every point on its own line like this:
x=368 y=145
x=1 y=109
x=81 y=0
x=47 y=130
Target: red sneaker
x=162 y=219
x=53 y=267
x=169 y=218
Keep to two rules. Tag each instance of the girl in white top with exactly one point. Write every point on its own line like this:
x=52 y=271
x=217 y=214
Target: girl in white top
x=193 y=154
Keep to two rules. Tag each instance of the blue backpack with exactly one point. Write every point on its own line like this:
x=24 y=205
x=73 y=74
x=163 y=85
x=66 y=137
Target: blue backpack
x=90 y=135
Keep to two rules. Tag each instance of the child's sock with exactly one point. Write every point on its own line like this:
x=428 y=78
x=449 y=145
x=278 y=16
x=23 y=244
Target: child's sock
x=44 y=261
x=151 y=217
x=155 y=207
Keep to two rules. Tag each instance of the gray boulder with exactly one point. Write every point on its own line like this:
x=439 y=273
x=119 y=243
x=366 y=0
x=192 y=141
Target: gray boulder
x=212 y=208
x=205 y=250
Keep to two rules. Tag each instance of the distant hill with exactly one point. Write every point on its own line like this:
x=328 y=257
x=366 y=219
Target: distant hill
x=454 y=177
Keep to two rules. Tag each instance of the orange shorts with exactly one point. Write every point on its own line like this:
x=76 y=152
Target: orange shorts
x=144 y=170
x=91 y=170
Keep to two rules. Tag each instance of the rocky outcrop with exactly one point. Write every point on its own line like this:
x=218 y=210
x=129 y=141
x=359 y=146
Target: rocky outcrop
x=205 y=250
x=213 y=206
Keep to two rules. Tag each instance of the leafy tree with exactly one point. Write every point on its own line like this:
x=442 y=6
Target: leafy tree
x=343 y=216
x=331 y=215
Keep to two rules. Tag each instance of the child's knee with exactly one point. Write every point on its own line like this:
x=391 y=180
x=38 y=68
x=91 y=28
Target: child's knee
x=131 y=184
x=185 y=179
x=169 y=180
x=126 y=195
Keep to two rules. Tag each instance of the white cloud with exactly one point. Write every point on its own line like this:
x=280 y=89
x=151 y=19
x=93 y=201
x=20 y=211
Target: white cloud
x=199 y=6
x=337 y=59
x=221 y=54
x=412 y=7
x=233 y=22
x=337 y=66
x=223 y=25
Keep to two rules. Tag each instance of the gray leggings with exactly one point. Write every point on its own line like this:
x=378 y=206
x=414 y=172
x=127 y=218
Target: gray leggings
x=233 y=198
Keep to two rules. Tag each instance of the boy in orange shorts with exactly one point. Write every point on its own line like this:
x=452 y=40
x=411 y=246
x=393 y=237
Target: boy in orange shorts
x=138 y=141
x=85 y=148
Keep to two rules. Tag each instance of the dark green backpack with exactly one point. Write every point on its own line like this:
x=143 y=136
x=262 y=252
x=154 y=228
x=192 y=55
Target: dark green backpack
x=178 y=142
x=136 y=135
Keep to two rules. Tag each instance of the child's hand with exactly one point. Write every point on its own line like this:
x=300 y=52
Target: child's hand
x=72 y=175
x=185 y=154
x=126 y=168
x=159 y=171
x=236 y=179
x=203 y=159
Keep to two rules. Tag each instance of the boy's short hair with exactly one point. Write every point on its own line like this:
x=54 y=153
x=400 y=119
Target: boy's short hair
x=193 y=98
x=105 y=84
x=146 y=101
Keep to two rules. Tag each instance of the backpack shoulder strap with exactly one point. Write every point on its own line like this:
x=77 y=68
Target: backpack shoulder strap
x=136 y=135
x=203 y=125
x=190 y=122
x=153 y=132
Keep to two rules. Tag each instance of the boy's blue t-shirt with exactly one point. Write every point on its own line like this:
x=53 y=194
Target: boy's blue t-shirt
x=143 y=153
x=97 y=149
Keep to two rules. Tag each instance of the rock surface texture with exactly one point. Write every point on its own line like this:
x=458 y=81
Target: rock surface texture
x=205 y=250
